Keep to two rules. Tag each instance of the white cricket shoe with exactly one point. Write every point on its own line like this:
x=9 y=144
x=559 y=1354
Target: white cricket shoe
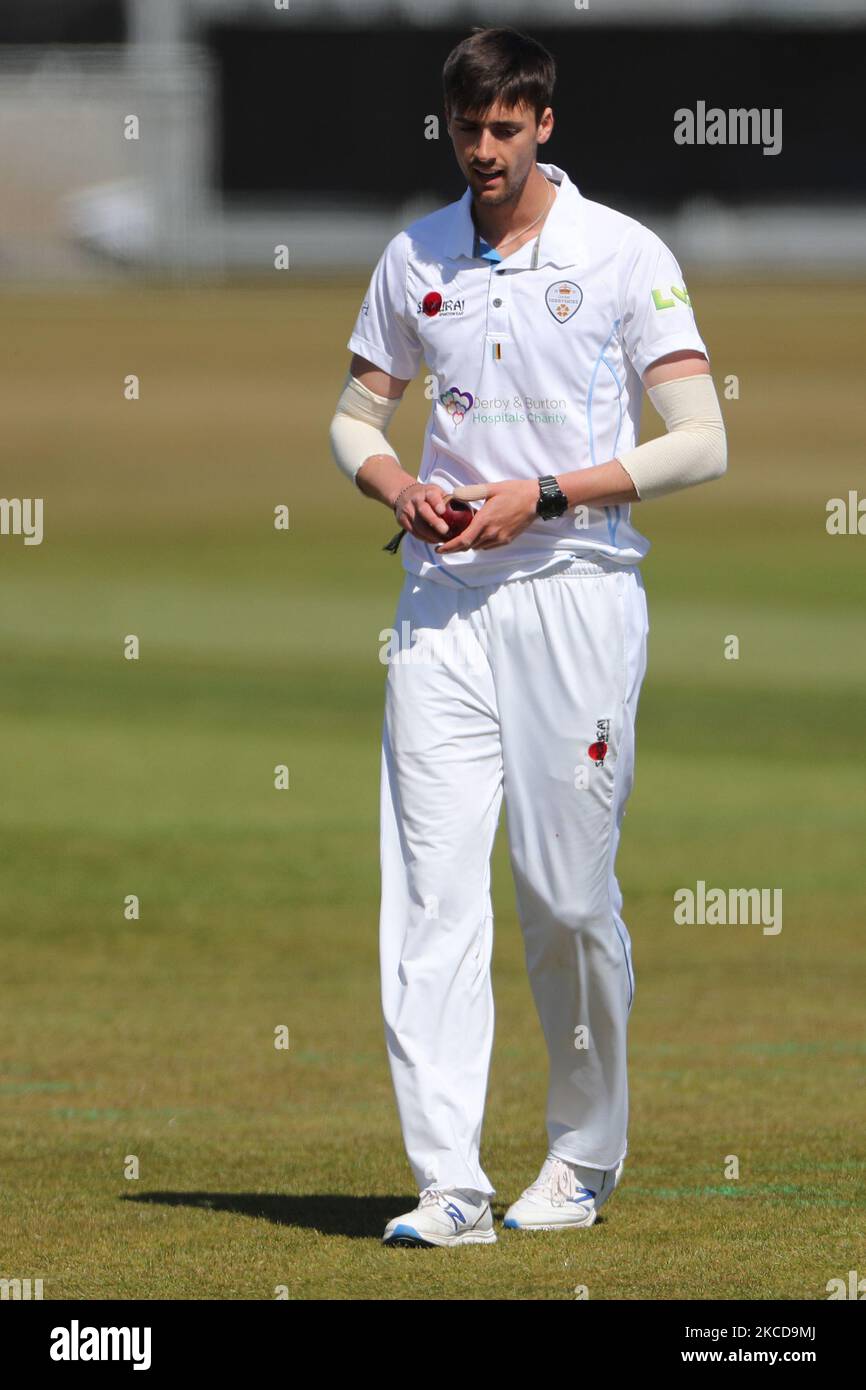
x=455 y=1217
x=563 y=1195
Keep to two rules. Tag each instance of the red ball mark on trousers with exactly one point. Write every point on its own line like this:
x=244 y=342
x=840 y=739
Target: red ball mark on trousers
x=597 y=751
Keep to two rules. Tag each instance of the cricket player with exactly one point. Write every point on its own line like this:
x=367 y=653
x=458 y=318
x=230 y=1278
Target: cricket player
x=519 y=644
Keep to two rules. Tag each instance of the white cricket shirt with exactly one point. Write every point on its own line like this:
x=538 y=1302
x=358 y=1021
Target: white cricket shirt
x=536 y=360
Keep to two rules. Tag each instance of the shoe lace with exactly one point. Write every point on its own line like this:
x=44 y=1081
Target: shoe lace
x=556 y=1181
x=565 y=1182
x=432 y=1196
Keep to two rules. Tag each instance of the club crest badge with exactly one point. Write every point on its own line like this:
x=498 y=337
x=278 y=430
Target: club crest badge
x=456 y=402
x=563 y=299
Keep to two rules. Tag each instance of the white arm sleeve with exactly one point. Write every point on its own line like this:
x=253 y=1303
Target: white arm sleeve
x=695 y=448
x=358 y=427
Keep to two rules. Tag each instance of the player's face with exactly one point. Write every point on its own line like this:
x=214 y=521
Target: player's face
x=496 y=150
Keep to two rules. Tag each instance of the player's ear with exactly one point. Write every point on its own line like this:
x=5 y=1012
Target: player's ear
x=545 y=126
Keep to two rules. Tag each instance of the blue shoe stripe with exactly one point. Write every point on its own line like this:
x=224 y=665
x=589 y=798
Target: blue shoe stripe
x=406 y=1231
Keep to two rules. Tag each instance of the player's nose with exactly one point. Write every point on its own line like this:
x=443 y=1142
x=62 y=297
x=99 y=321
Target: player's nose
x=485 y=152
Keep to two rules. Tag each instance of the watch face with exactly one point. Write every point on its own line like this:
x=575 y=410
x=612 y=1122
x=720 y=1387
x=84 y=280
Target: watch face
x=552 y=500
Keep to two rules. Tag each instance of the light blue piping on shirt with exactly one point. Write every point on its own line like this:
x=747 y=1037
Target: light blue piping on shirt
x=611 y=525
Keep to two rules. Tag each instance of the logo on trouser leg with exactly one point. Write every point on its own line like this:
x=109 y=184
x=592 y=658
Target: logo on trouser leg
x=598 y=750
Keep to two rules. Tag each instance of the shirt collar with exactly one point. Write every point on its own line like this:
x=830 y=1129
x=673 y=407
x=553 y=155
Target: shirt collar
x=558 y=241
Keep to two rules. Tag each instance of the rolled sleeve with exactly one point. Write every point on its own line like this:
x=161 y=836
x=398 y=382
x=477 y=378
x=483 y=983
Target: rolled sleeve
x=384 y=332
x=656 y=314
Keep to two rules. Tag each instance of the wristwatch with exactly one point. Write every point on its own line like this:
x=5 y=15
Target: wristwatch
x=552 y=501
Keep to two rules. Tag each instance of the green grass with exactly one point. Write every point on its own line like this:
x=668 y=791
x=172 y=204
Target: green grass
x=155 y=1037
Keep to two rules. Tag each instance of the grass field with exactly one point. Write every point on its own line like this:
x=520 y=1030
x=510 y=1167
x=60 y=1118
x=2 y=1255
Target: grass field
x=155 y=1037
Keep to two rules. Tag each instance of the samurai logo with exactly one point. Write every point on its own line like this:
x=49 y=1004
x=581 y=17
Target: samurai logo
x=456 y=402
x=598 y=750
x=433 y=305
x=563 y=299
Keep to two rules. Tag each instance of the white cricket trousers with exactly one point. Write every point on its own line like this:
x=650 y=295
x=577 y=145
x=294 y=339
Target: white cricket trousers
x=511 y=689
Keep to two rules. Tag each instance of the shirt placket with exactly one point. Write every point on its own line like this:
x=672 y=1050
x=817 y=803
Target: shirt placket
x=498 y=329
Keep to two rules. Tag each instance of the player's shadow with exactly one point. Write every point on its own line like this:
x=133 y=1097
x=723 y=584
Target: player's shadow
x=332 y=1213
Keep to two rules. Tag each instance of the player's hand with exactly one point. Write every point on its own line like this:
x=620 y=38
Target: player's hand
x=419 y=511
x=509 y=508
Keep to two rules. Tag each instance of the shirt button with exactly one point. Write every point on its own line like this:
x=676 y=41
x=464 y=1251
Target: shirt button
x=497 y=303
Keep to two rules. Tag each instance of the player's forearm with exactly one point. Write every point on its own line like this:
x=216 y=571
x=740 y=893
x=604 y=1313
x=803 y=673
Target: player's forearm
x=694 y=449
x=360 y=447
x=604 y=485
x=382 y=478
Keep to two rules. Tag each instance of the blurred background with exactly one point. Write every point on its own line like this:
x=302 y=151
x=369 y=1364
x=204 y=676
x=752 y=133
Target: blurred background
x=303 y=121
x=305 y=125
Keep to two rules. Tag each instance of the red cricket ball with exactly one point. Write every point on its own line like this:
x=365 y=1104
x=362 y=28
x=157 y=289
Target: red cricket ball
x=458 y=515
x=431 y=303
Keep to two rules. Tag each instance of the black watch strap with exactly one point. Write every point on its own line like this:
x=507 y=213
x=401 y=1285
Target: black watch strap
x=552 y=501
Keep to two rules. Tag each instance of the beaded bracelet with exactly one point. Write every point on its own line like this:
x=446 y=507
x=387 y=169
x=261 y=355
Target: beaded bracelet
x=400 y=494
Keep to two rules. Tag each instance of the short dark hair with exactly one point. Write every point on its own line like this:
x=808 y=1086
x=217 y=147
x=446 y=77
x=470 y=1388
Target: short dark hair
x=494 y=65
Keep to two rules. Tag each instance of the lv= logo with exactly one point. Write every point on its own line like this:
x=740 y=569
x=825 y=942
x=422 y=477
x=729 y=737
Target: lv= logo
x=679 y=292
